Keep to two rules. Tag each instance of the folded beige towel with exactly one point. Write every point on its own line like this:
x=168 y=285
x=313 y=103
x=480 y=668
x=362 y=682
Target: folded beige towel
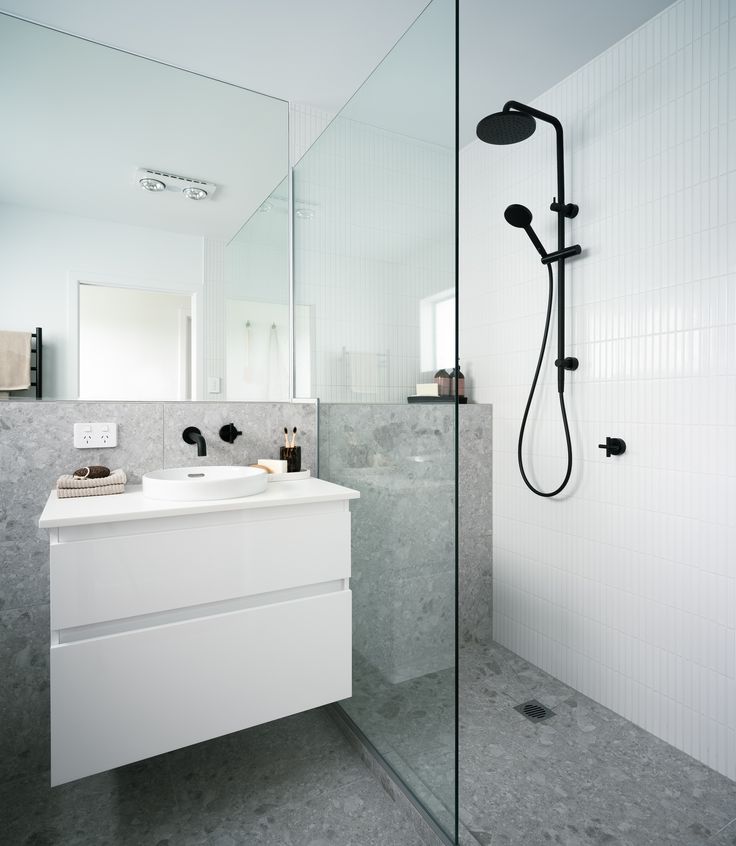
x=117 y=477
x=15 y=361
x=101 y=490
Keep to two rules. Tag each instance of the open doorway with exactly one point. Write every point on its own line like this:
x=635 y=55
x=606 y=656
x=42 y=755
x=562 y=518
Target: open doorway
x=134 y=344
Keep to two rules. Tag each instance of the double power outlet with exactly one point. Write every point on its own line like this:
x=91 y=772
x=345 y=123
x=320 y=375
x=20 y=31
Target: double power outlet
x=95 y=435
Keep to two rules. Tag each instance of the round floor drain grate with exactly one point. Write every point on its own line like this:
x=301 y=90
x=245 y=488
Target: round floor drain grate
x=534 y=711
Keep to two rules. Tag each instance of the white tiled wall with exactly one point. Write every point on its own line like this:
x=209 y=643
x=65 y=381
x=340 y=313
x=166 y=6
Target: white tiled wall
x=380 y=239
x=624 y=587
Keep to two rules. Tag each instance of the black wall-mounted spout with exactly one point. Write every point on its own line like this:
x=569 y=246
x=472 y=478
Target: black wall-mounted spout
x=192 y=435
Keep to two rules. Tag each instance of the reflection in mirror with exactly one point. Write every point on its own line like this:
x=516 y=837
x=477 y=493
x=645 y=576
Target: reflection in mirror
x=83 y=125
x=374 y=243
x=257 y=307
x=153 y=329
x=258 y=330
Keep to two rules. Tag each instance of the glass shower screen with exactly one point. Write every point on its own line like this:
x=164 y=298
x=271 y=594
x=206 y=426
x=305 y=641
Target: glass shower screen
x=375 y=285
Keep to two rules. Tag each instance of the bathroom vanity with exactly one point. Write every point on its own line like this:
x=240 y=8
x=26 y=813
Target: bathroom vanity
x=175 y=622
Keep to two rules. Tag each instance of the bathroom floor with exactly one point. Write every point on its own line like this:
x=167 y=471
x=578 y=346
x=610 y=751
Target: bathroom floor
x=586 y=776
x=295 y=782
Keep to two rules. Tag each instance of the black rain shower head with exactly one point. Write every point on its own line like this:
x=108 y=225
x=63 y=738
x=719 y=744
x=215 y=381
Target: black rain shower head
x=521 y=217
x=506 y=127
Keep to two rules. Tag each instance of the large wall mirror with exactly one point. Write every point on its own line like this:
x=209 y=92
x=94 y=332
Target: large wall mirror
x=143 y=224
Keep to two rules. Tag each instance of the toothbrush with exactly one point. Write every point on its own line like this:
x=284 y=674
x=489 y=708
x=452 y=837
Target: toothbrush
x=293 y=438
x=286 y=437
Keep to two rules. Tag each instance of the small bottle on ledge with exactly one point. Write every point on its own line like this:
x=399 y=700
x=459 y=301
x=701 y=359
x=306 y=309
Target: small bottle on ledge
x=442 y=380
x=460 y=380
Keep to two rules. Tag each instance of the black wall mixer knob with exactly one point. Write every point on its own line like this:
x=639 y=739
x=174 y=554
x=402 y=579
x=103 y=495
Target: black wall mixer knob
x=613 y=446
x=229 y=432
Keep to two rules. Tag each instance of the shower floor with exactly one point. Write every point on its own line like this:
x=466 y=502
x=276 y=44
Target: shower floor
x=586 y=776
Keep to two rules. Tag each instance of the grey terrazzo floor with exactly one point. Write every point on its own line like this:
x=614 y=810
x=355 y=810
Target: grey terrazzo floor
x=294 y=782
x=587 y=777
x=412 y=724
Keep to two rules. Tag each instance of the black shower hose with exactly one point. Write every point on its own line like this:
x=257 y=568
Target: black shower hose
x=529 y=405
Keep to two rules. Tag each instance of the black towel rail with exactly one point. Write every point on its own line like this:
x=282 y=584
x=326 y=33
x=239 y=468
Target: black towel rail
x=37 y=368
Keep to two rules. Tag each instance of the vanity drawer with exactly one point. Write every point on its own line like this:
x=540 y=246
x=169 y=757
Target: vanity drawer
x=113 y=578
x=126 y=697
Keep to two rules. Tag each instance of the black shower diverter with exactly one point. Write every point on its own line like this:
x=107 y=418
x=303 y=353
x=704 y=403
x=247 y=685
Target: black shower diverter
x=613 y=446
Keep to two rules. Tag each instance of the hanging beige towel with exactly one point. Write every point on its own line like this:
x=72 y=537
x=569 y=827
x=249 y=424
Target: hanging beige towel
x=15 y=361
x=101 y=490
x=69 y=482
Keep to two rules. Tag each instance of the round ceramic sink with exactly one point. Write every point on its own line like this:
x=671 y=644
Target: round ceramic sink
x=193 y=484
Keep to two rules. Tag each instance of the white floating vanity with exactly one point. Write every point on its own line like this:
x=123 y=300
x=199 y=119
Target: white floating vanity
x=175 y=622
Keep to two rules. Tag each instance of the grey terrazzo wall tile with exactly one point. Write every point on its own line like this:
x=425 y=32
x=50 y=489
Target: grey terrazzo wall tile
x=401 y=458
x=475 y=523
x=36 y=447
x=262 y=424
x=24 y=692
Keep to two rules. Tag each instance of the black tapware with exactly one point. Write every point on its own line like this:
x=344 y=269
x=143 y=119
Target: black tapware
x=229 y=432
x=513 y=124
x=613 y=446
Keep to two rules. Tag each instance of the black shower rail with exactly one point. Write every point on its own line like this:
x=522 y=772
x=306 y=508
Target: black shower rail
x=515 y=123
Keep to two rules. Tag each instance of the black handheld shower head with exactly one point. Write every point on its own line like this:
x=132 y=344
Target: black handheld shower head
x=521 y=217
x=518 y=215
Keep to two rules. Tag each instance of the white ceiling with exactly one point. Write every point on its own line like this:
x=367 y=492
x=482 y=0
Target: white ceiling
x=319 y=52
x=518 y=49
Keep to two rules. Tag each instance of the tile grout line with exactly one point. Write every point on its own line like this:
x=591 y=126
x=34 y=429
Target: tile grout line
x=721 y=830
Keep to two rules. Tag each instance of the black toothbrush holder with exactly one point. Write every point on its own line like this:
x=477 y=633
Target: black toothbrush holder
x=292 y=455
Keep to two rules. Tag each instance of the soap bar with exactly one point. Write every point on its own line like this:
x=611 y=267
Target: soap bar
x=273 y=464
x=427 y=389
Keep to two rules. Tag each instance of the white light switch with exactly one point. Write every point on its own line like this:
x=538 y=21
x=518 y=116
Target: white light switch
x=213 y=384
x=95 y=435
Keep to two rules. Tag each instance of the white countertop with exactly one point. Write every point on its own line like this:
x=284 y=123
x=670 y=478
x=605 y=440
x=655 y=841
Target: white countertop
x=132 y=505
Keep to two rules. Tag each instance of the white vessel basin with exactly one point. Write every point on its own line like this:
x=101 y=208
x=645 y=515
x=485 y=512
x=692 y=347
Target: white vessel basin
x=193 y=484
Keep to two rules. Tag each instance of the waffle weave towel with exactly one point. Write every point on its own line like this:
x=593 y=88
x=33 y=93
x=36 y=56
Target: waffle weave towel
x=117 y=477
x=100 y=490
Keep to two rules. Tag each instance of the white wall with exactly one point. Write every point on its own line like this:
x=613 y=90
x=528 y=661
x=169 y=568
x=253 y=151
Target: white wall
x=40 y=249
x=625 y=587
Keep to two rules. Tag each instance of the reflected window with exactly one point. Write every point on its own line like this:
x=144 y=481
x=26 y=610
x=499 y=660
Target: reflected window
x=437 y=322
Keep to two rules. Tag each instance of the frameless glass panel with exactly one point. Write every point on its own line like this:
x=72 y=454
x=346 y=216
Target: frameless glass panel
x=375 y=278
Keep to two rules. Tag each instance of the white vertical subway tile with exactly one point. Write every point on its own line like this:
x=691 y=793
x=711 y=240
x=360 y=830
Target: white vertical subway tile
x=650 y=628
